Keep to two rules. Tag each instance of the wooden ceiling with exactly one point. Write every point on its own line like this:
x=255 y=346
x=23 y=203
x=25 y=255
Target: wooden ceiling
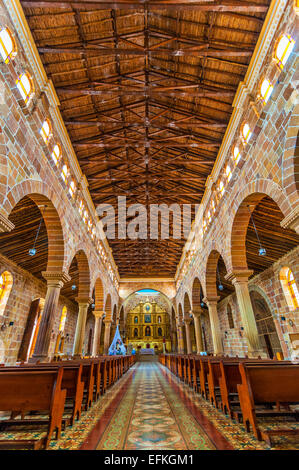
x=146 y=91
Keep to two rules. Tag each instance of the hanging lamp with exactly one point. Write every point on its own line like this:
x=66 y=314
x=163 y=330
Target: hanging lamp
x=262 y=251
x=32 y=251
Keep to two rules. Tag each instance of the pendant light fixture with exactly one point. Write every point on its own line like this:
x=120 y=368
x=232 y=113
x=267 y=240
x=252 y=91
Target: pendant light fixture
x=32 y=251
x=262 y=251
x=220 y=286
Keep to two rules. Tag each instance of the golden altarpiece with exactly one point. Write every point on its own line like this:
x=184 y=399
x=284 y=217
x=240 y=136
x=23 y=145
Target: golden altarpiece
x=147 y=326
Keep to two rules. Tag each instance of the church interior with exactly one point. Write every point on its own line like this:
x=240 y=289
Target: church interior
x=149 y=225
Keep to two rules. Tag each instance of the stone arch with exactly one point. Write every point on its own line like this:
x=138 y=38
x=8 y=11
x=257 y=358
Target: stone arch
x=196 y=293
x=187 y=305
x=99 y=295
x=211 y=274
x=84 y=275
x=246 y=201
x=266 y=324
x=180 y=313
x=108 y=305
x=53 y=215
x=253 y=287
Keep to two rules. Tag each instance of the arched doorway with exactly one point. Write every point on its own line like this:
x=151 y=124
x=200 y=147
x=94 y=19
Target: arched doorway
x=31 y=330
x=267 y=333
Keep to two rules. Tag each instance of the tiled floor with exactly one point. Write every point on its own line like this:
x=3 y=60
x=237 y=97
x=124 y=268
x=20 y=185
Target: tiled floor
x=149 y=408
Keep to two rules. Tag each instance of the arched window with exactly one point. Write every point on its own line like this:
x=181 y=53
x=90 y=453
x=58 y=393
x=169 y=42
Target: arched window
x=221 y=188
x=85 y=215
x=81 y=208
x=63 y=319
x=135 y=332
x=246 y=133
x=289 y=287
x=228 y=173
x=236 y=155
x=56 y=154
x=230 y=317
x=45 y=131
x=266 y=90
x=160 y=332
x=283 y=49
x=65 y=173
x=159 y=319
x=6 y=281
x=60 y=337
x=213 y=206
x=135 y=319
x=8 y=48
x=25 y=86
x=72 y=189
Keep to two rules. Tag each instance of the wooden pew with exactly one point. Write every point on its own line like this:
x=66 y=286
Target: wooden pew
x=25 y=391
x=271 y=385
x=71 y=381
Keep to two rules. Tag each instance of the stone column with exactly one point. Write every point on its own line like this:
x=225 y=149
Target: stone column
x=180 y=338
x=80 y=327
x=240 y=282
x=214 y=321
x=108 y=323
x=97 y=332
x=187 y=322
x=55 y=281
x=198 y=334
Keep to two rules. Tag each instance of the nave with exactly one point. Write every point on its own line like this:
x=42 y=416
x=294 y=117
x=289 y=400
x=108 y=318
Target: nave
x=149 y=408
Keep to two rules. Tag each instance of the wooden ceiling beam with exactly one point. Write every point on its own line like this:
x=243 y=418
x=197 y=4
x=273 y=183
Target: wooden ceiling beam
x=150 y=92
x=199 y=52
x=223 y=6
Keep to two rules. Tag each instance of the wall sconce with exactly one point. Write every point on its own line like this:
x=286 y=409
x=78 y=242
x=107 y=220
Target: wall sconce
x=283 y=318
x=291 y=323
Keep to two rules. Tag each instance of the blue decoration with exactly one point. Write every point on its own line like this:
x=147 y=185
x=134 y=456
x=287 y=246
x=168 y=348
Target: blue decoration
x=117 y=347
x=32 y=251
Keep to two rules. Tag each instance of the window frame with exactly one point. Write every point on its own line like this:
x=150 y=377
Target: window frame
x=9 y=55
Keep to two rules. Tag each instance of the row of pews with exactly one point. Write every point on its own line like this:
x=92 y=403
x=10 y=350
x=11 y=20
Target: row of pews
x=53 y=395
x=245 y=389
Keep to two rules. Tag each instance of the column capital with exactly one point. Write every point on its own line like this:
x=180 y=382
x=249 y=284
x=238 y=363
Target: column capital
x=5 y=224
x=84 y=300
x=241 y=275
x=98 y=313
x=187 y=321
x=56 y=278
x=196 y=312
x=211 y=300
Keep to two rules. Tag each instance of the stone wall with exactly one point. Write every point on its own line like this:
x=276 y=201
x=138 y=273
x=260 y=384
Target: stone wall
x=25 y=289
x=268 y=166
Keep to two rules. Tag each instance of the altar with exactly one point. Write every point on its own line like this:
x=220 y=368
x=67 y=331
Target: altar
x=147 y=351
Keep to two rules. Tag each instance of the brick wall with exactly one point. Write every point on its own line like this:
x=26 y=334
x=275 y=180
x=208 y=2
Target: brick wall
x=268 y=166
x=25 y=289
